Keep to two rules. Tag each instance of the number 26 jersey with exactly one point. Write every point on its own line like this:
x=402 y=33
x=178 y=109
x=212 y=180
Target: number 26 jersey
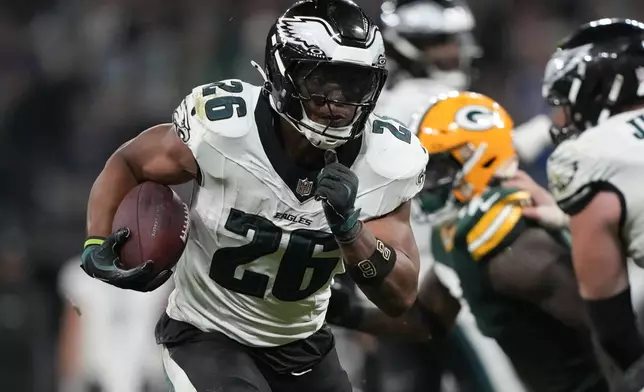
x=260 y=257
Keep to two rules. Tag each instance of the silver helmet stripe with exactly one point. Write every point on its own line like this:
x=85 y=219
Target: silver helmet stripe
x=639 y=73
x=615 y=89
x=280 y=63
x=577 y=82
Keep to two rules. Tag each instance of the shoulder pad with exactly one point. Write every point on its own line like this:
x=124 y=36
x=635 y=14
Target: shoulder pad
x=573 y=169
x=393 y=151
x=491 y=221
x=224 y=108
x=212 y=115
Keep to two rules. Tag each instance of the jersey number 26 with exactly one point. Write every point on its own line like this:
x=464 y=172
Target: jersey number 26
x=292 y=282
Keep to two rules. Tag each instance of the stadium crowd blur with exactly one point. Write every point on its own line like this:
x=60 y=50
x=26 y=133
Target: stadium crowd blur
x=79 y=77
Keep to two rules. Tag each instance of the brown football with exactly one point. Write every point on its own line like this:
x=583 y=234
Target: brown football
x=158 y=221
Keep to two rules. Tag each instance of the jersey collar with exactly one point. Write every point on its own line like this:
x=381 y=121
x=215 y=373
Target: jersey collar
x=300 y=181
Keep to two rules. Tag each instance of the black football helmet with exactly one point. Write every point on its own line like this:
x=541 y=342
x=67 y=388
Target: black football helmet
x=411 y=27
x=596 y=72
x=325 y=56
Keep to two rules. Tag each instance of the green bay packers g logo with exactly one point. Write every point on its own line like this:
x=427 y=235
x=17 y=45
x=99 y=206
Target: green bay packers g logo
x=475 y=118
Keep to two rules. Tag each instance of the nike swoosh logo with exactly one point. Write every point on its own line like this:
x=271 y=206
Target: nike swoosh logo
x=296 y=374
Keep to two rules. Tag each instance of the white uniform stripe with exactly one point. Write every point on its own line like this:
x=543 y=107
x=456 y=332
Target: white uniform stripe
x=178 y=378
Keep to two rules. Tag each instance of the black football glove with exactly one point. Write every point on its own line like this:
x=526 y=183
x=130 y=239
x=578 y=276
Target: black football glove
x=344 y=306
x=103 y=262
x=337 y=188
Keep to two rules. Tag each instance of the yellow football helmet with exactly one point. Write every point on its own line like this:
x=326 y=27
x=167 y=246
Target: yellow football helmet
x=469 y=140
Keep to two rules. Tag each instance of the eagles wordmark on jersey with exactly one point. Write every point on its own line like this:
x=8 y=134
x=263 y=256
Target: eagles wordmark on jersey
x=260 y=258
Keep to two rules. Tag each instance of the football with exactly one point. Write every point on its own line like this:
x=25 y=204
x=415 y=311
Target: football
x=158 y=221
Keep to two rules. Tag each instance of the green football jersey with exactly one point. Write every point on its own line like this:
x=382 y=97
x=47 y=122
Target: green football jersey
x=547 y=355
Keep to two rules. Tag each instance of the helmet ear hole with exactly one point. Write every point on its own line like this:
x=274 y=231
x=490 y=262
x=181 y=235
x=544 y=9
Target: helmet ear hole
x=489 y=163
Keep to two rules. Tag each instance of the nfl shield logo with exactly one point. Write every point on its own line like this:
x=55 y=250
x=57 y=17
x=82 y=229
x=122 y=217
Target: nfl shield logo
x=304 y=187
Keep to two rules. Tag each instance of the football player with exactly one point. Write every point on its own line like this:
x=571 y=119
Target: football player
x=431 y=48
x=293 y=177
x=596 y=79
x=515 y=274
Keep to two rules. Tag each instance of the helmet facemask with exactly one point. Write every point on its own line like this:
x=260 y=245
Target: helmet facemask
x=437 y=197
x=448 y=182
x=566 y=128
x=329 y=101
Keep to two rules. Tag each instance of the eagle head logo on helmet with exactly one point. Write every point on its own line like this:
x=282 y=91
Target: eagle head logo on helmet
x=325 y=68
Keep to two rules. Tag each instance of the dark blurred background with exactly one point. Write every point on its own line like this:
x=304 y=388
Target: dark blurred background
x=80 y=77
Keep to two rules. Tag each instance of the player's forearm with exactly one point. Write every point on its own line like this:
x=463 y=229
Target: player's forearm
x=614 y=323
x=395 y=292
x=566 y=306
x=109 y=189
x=422 y=322
x=156 y=154
x=436 y=304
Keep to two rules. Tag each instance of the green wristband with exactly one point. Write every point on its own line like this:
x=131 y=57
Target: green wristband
x=93 y=241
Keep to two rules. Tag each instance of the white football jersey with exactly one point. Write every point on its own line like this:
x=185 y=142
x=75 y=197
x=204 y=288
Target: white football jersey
x=409 y=97
x=609 y=156
x=260 y=257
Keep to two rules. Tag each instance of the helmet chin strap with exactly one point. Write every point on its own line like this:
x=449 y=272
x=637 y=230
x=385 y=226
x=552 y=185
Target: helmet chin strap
x=317 y=139
x=267 y=84
x=260 y=70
